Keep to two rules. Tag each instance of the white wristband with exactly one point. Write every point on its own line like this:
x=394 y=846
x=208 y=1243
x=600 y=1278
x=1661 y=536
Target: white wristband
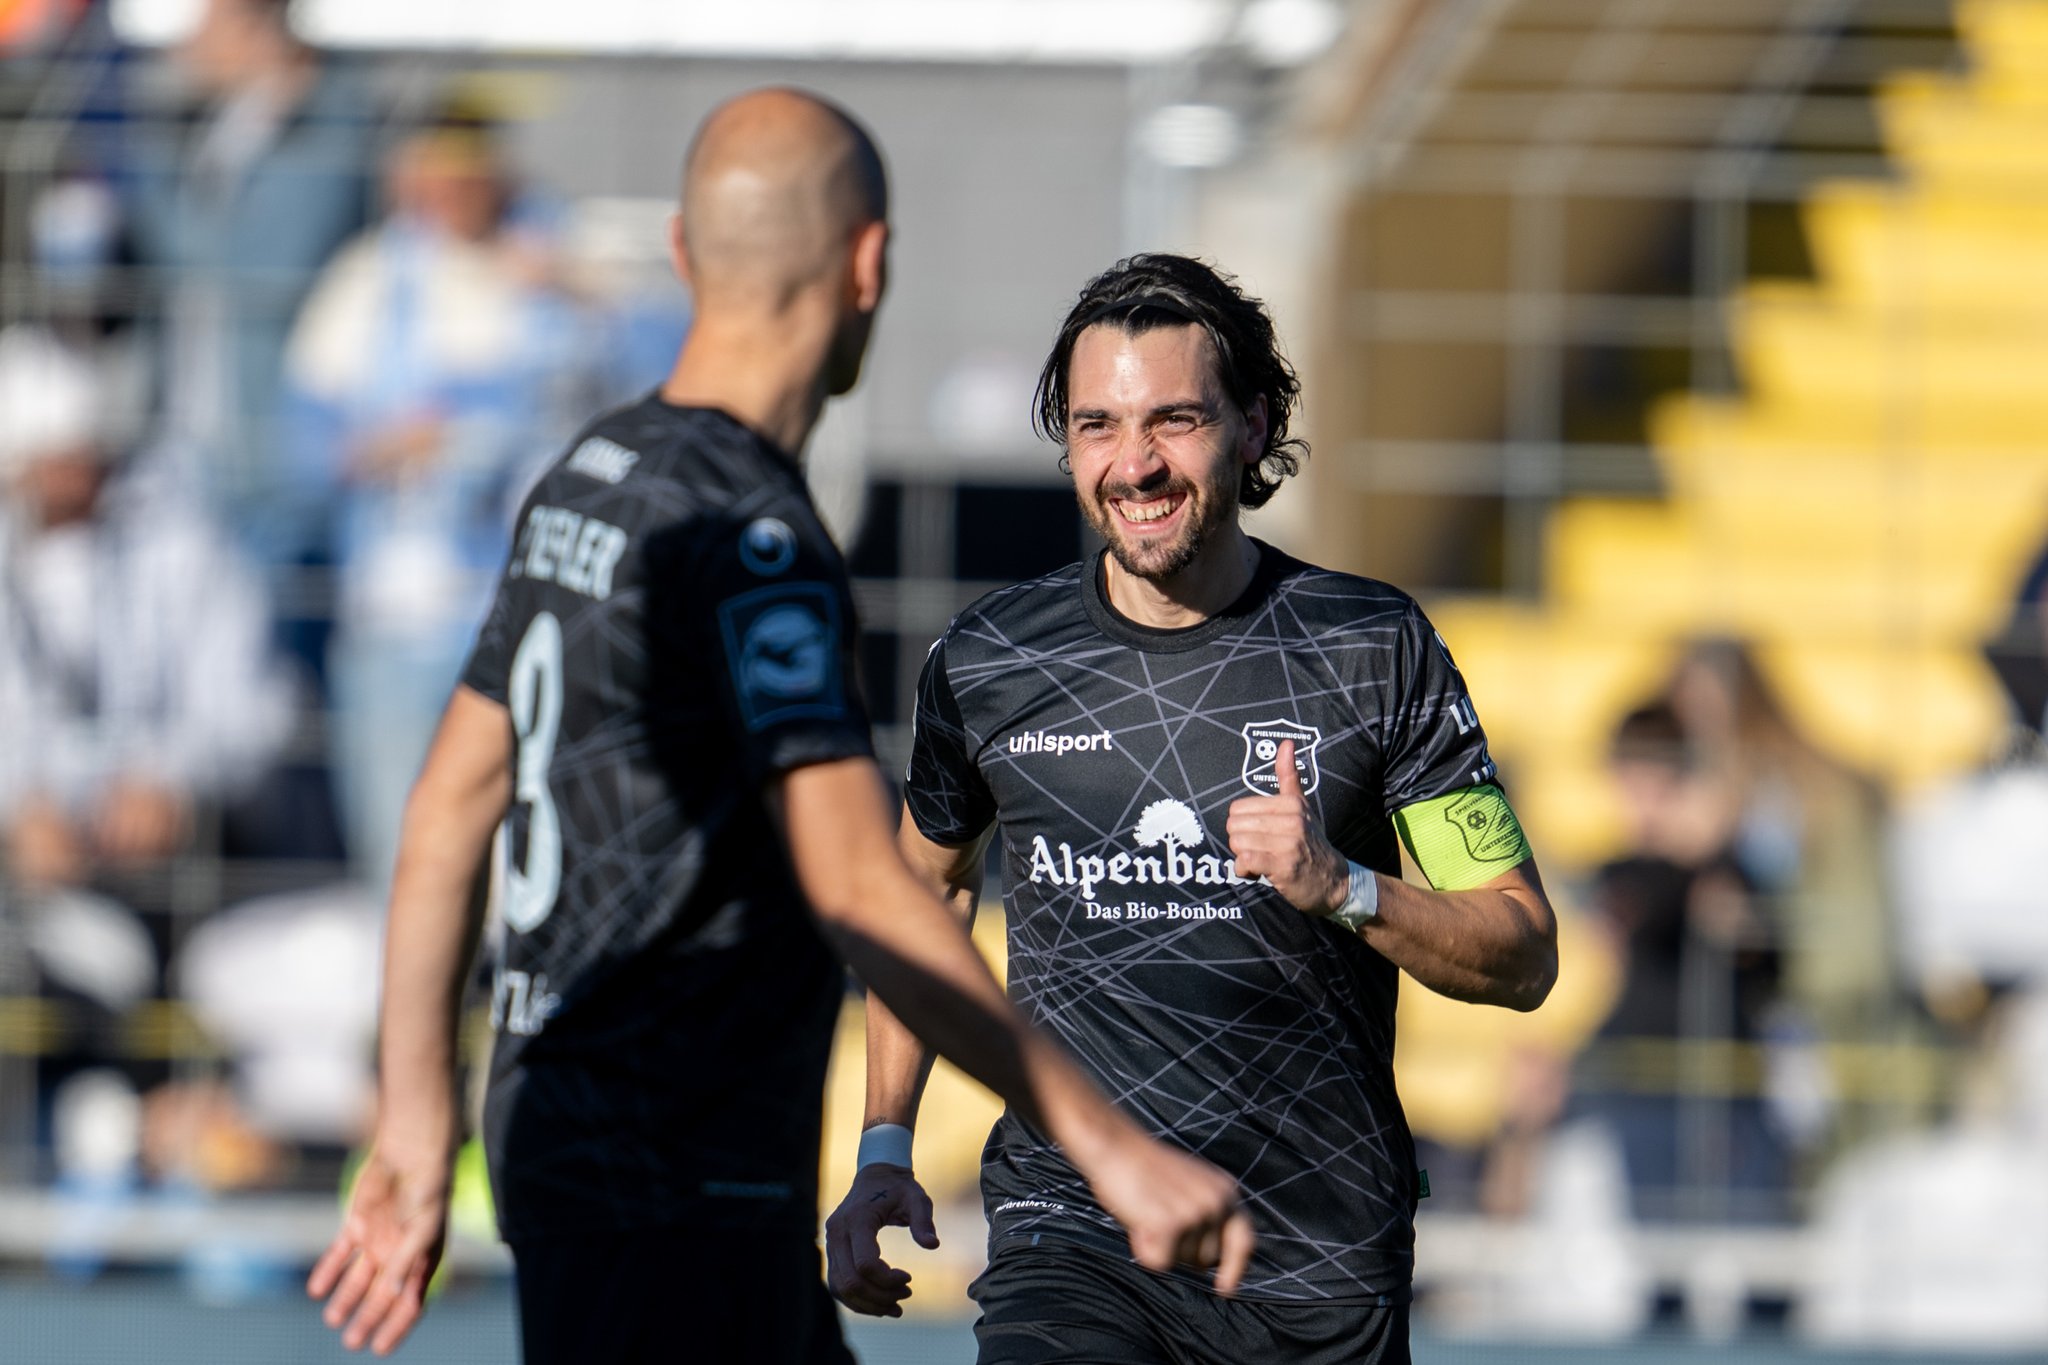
x=885 y=1144
x=1363 y=903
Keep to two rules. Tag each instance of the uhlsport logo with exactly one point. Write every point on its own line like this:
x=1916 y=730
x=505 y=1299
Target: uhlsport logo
x=1170 y=826
x=1262 y=749
x=1046 y=742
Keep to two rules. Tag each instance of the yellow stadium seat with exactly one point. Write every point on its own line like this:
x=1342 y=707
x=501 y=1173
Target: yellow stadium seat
x=1909 y=715
x=1798 y=346
x=1943 y=253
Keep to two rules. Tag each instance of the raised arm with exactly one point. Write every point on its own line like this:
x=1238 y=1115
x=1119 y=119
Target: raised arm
x=913 y=953
x=1492 y=944
x=374 y=1274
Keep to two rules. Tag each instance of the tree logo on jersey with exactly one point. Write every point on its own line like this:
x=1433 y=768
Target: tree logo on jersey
x=782 y=647
x=1262 y=747
x=1169 y=822
x=1483 y=818
x=767 y=546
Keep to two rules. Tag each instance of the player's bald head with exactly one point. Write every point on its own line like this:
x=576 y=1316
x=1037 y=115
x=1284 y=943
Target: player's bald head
x=777 y=184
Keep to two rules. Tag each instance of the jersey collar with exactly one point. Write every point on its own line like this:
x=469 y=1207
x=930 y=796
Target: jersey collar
x=1172 y=640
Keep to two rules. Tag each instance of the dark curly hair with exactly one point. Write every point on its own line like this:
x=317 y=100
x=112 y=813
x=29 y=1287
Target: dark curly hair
x=1141 y=293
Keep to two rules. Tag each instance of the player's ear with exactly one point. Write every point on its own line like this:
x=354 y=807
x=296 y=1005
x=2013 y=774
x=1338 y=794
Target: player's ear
x=678 y=251
x=870 y=266
x=1255 y=422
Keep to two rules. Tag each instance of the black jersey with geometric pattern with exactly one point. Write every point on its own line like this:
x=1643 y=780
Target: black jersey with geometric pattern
x=1219 y=1016
x=673 y=627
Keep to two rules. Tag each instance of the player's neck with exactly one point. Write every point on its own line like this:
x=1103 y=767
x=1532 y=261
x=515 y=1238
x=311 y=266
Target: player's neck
x=1218 y=577
x=765 y=374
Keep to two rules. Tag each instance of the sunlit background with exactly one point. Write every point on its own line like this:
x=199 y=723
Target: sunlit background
x=1689 y=361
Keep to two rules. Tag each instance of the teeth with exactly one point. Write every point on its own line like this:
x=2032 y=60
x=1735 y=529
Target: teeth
x=1149 y=511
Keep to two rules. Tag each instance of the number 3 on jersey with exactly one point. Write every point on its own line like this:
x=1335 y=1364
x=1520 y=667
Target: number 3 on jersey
x=535 y=693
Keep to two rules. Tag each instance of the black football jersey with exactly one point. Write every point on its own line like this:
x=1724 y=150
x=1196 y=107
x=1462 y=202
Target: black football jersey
x=673 y=627
x=1221 y=1017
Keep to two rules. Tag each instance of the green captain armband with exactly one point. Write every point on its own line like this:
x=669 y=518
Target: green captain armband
x=1463 y=840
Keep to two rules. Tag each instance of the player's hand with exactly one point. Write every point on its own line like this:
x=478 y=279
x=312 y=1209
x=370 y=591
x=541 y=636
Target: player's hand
x=883 y=1196
x=1177 y=1209
x=1277 y=837
x=374 y=1274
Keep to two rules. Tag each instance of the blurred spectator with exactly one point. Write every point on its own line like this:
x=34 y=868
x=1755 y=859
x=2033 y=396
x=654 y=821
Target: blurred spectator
x=1808 y=835
x=1963 y=852
x=1698 y=971
x=265 y=174
x=28 y=26
x=2020 y=654
x=1938 y=1240
x=137 y=692
x=432 y=367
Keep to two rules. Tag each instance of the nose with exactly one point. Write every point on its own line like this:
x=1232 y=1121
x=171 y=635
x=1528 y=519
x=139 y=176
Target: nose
x=1137 y=458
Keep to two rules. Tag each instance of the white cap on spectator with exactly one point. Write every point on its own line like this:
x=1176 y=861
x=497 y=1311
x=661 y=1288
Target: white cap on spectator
x=50 y=399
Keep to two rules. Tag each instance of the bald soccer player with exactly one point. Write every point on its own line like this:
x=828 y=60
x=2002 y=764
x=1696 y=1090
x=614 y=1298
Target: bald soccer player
x=661 y=712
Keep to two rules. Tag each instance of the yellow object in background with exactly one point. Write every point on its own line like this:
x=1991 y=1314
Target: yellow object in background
x=1454 y=1063
x=1863 y=513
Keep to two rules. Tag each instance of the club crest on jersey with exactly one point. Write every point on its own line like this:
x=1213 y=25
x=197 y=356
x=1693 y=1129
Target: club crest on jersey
x=767 y=546
x=1262 y=747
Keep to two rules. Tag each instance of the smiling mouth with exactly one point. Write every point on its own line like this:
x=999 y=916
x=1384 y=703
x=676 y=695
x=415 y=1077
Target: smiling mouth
x=1152 y=509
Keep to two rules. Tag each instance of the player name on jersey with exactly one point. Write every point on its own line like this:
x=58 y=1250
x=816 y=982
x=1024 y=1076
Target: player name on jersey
x=560 y=546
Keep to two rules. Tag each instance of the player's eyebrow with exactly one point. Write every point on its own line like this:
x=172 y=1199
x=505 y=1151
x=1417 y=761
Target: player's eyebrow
x=1173 y=408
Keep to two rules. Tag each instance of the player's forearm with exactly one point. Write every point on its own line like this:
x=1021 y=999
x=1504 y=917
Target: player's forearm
x=1488 y=946
x=928 y=989
x=898 y=1062
x=913 y=955
x=431 y=936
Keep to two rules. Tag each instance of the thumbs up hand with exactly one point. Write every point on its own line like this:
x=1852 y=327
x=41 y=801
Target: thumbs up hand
x=1277 y=837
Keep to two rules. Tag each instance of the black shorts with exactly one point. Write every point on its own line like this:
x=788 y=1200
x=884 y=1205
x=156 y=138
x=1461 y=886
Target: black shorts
x=668 y=1296
x=1051 y=1304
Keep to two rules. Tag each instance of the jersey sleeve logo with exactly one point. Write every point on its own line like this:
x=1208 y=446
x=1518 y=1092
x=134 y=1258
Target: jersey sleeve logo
x=1489 y=827
x=767 y=546
x=1262 y=748
x=782 y=646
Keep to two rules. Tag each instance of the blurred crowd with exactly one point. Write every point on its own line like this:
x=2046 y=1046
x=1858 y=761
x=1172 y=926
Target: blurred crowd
x=292 y=351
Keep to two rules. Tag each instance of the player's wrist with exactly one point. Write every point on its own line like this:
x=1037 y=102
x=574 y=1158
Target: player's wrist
x=1336 y=881
x=421 y=1118
x=884 y=1144
x=1359 y=904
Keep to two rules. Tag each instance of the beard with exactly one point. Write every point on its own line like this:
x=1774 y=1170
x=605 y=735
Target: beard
x=1205 y=507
